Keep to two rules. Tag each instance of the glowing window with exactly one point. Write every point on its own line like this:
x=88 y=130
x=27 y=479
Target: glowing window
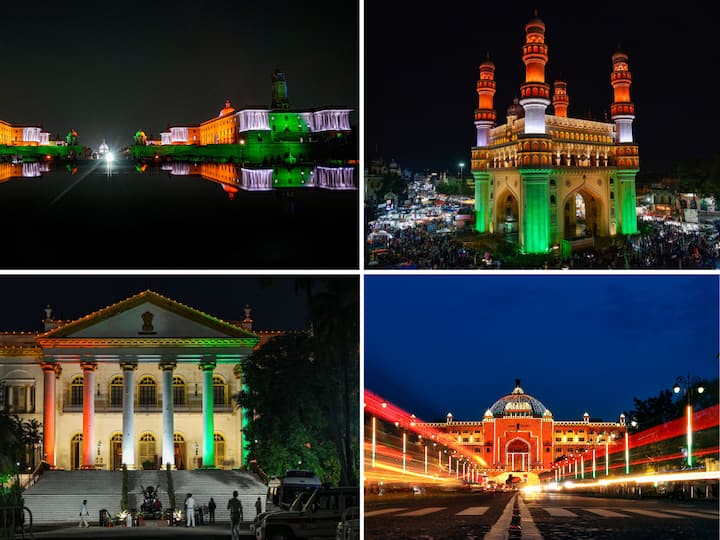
x=76 y=390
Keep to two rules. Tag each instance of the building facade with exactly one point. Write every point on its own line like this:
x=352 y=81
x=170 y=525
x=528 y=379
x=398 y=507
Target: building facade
x=549 y=177
x=144 y=382
x=518 y=433
x=278 y=123
x=20 y=135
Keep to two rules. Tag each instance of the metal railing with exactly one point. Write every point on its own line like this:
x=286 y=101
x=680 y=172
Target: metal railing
x=14 y=523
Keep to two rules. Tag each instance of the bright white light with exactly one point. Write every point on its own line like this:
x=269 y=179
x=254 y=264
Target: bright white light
x=108 y=156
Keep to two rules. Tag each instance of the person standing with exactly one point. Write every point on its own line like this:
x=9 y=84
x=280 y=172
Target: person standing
x=236 y=515
x=258 y=507
x=84 y=514
x=211 y=511
x=190 y=503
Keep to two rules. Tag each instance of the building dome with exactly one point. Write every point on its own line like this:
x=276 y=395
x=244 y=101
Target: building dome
x=228 y=109
x=516 y=110
x=518 y=403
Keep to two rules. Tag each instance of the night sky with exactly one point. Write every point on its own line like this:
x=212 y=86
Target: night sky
x=456 y=343
x=422 y=66
x=109 y=69
x=275 y=303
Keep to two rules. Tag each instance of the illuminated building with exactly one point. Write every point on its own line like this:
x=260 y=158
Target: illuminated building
x=274 y=147
x=146 y=379
x=19 y=135
x=261 y=133
x=550 y=178
x=518 y=433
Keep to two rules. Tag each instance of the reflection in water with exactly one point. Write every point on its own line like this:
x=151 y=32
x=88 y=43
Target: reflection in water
x=25 y=170
x=232 y=177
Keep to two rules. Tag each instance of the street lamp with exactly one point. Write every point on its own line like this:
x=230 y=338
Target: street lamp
x=462 y=165
x=688 y=384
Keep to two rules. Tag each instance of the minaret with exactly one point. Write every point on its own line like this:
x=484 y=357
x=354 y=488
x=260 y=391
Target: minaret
x=622 y=110
x=279 y=91
x=534 y=145
x=560 y=99
x=535 y=92
x=485 y=117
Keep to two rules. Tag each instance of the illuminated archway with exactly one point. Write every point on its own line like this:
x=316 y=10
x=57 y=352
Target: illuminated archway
x=517 y=454
x=507 y=214
x=581 y=215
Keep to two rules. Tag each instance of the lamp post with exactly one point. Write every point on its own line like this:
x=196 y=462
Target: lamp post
x=462 y=165
x=242 y=152
x=688 y=385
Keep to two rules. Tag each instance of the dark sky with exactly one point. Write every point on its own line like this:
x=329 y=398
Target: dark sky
x=590 y=343
x=108 y=69
x=422 y=65
x=275 y=305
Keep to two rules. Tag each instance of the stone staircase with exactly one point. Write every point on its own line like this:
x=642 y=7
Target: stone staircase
x=57 y=496
x=204 y=484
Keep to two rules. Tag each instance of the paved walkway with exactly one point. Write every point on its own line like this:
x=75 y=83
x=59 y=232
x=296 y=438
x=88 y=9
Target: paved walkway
x=67 y=531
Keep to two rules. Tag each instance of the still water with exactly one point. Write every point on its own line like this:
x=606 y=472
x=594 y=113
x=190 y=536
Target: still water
x=123 y=216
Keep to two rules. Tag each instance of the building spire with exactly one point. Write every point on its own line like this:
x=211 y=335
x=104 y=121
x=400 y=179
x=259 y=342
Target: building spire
x=485 y=114
x=560 y=99
x=535 y=92
x=622 y=110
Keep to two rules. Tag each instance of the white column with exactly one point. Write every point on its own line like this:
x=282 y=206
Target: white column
x=88 y=441
x=128 y=419
x=168 y=420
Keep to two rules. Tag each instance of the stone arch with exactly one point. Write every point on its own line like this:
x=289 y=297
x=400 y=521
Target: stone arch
x=591 y=222
x=507 y=211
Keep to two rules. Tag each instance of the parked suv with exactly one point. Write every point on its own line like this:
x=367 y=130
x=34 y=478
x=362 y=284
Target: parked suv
x=318 y=517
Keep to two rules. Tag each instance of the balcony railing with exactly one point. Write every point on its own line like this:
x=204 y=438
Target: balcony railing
x=104 y=407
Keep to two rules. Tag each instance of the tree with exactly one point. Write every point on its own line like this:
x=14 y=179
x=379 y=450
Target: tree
x=303 y=388
x=668 y=406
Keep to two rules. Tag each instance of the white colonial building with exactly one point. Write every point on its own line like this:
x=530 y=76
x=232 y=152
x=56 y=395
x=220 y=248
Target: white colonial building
x=144 y=382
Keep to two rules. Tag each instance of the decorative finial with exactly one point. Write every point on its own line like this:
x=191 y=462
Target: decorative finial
x=48 y=312
x=247 y=311
x=517 y=382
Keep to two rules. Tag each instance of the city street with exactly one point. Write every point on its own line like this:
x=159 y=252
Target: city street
x=542 y=516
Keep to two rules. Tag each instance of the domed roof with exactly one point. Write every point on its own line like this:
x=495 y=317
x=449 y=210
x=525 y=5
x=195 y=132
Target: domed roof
x=516 y=109
x=228 y=109
x=518 y=403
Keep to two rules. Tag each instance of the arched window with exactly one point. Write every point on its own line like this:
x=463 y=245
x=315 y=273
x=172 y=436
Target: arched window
x=76 y=390
x=219 y=450
x=148 y=391
x=179 y=391
x=147 y=448
x=116 y=391
x=219 y=390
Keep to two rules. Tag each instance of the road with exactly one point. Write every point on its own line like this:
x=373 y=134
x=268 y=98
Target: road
x=542 y=516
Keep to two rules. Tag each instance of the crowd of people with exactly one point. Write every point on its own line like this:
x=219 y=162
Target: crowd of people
x=660 y=245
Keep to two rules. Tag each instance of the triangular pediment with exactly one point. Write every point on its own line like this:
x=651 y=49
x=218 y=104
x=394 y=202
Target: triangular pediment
x=147 y=315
